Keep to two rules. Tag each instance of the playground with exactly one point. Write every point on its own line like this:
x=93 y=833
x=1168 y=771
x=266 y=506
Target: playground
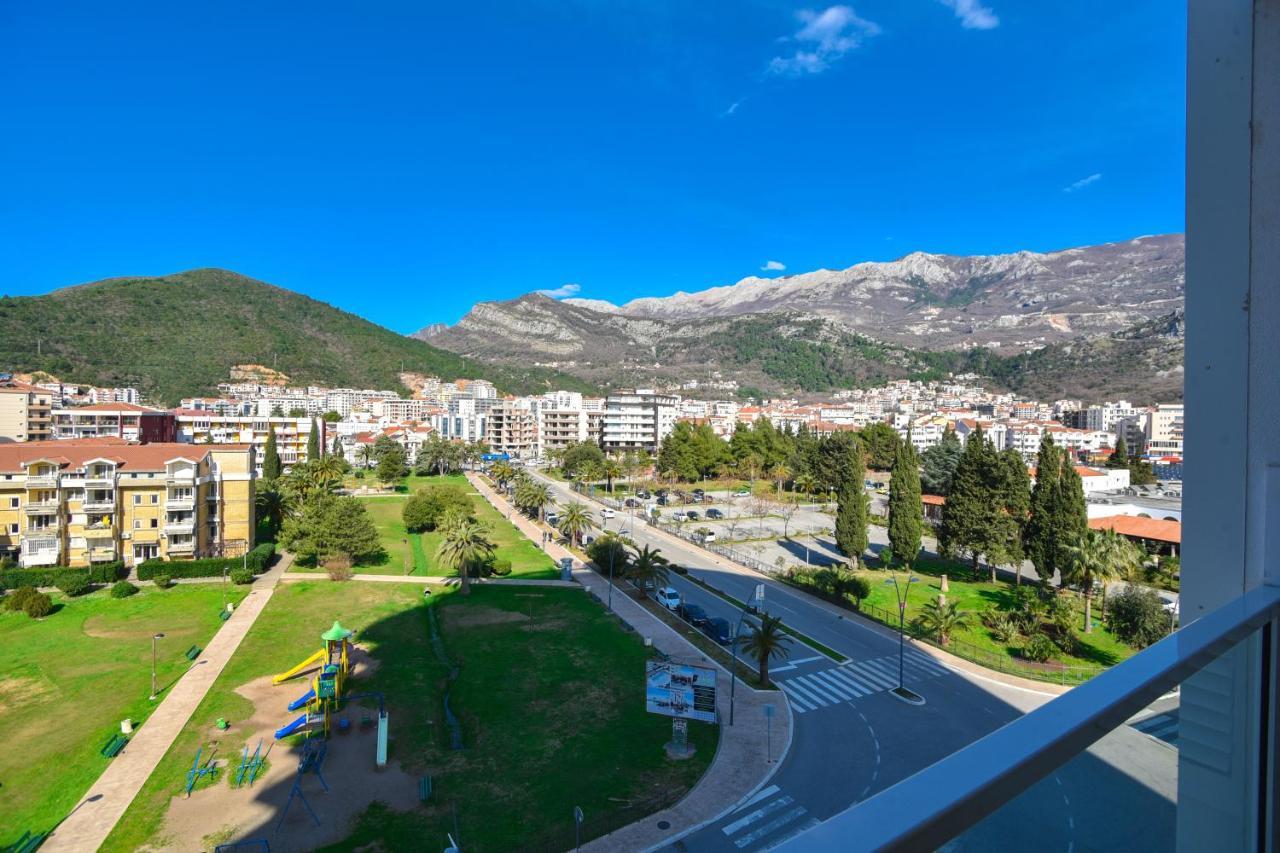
x=548 y=698
x=66 y=682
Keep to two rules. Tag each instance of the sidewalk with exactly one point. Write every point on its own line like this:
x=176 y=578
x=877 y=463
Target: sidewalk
x=740 y=765
x=429 y=580
x=105 y=802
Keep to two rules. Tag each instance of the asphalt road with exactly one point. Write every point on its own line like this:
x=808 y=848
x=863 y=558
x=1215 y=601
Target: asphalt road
x=852 y=738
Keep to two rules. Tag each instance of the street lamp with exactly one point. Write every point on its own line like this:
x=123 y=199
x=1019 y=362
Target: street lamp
x=900 y=592
x=154 y=637
x=733 y=671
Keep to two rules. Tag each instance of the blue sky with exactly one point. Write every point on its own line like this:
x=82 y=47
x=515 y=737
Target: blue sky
x=404 y=161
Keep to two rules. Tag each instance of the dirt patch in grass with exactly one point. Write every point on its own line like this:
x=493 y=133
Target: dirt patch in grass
x=24 y=688
x=477 y=617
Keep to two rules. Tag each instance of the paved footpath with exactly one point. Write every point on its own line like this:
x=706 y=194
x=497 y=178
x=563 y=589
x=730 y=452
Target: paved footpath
x=741 y=764
x=92 y=821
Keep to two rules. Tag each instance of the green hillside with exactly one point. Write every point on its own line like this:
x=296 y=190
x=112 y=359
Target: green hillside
x=179 y=335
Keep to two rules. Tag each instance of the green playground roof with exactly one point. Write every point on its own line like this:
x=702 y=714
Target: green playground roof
x=337 y=632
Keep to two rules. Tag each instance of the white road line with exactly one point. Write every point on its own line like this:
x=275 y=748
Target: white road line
x=816 y=686
x=810 y=696
x=844 y=690
x=882 y=682
x=767 y=792
x=809 y=660
x=776 y=823
x=767 y=808
x=861 y=680
x=797 y=702
x=888 y=670
x=844 y=678
x=790 y=834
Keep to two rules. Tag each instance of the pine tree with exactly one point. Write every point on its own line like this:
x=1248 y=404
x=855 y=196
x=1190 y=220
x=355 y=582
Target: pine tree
x=852 y=505
x=271 y=467
x=906 y=515
x=1119 y=456
x=1039 y=537
x=313 y=442
x=970 y=518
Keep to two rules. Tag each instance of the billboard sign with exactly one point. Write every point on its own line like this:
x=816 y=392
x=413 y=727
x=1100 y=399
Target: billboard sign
x=679 y=690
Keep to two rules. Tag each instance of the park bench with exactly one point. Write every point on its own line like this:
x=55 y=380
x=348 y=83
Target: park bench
x=193 y=652
x=27 y=843
x=424 y=788
x=224 y=615
x=112 y=747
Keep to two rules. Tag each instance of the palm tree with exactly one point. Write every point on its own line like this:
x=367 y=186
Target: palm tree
x=611 y=469
x=1099 y=555
x=532 y=497
x=806 y=483
x=767 y=642
x=328 y=471
x=942 y=619
x=591 y=471
x=779 y=474
x=502 y=472
x=465 y=545
x=575 y=521
x=649 y=568
x=366 y=455
x=273 y=504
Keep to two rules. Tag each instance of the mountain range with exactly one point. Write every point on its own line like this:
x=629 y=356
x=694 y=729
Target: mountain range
x=1088 y=322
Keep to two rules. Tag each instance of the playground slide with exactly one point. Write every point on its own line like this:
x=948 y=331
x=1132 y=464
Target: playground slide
x=302 y=700
x=381 y=758
x=318 y=658
x=292 y=727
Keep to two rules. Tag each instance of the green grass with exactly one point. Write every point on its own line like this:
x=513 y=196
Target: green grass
x=1099 y=648
x=67 y=681
x=418 y=551
x=552 y=711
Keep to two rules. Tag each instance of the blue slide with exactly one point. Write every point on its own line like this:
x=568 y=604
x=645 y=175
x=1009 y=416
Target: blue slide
x=292 y=727
x=302 y=700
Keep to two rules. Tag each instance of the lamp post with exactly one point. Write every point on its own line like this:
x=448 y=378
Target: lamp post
x=154 y=637
x=900 y=592
x=733 y=670
x=612 y=552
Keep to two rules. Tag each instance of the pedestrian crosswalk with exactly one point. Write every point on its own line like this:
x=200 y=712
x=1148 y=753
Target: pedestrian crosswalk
x=856 y=679
x=768 y=818
x=1160 y=726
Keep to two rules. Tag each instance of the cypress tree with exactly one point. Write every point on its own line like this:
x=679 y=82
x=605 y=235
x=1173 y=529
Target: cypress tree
x=337 y=447
x=1039 y=537
x=906 y=515
x=938 y=463
x=1071 y=511
x=313 y=442
x=271 y=467
x=1012 y=486
x=851 y=506
x=1119 y=456
x=970 y=519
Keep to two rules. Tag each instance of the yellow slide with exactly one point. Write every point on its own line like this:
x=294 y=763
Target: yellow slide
x=317 y=658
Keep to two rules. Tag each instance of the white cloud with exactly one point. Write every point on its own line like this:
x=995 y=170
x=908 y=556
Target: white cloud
x=973 y=15
x=822 y=39
x=773 y=266
x=1083 y=182
x=562 y=291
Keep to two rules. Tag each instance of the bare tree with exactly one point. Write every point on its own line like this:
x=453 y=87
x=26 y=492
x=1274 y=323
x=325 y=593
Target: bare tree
x=787 y=510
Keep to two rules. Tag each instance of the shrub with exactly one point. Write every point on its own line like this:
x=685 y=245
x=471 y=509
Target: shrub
x=1137 y=617
x=209 y=567
x=424 y=510
x=241 y=575
x=857 y=587
x=500 y=566
x=162 y=581
x=17 y=600
x=1039 y=648
x=123 y=589
x=97 y=573
x=1003 y=626
x=74 y=585
x=338 y=566
x=38 y=605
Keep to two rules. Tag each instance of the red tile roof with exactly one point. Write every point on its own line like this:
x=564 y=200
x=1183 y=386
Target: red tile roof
x=74 y=454
x=1156 y=529
x=111 y=407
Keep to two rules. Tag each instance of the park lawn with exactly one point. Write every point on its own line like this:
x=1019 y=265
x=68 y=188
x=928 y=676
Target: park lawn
x=553 y=717
x=388 y=619
x=66 y=682
x=1099 y=648
x=417 y=552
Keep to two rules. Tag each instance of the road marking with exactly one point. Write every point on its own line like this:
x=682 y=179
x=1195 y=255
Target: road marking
x=776 y=823
x=810 y=696
x=881 y=681
x=814 y=686
x=768 y=808
x=853 y=684
x=845 y=691
x=790 y=834
x=797 y=702
x=867 y=685
x=767 y=792
x=810 y=660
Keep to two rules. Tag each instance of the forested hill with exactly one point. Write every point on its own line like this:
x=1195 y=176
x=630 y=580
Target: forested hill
x=180 y=335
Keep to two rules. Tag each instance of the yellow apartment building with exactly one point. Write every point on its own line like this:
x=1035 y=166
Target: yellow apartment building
x=82 y=501
x=25 y=411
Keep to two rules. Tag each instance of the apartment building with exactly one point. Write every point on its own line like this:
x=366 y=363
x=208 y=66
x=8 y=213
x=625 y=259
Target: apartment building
x=82 y=501
x=637 y=420
x=1164 y=431
x=25 y=411
x=513 y=428
x=292 y=434
x=122 y=420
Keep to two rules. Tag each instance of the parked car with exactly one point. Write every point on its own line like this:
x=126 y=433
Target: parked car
x=553 y=518
x=669 y=597
x=631 y=502
x=709 y=536
x=607 y=513
x=692 y=515
x=714 y=513
x=742 y=493
x=718 y=629
x=662 y=500
x=662 y=493
x=643 y=494
x=693 y=614
x=698 y=493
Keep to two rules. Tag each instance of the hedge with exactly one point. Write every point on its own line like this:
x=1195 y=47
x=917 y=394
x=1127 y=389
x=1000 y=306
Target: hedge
x=57 y=575
x=209 y=567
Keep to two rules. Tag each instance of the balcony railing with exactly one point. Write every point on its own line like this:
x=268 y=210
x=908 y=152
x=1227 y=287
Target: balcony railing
x=42 y=507
x=929 y=809
x=42 y=481
x=185 y=477
x=48 y=529
x=99 y=504
x=184 y=547
x=188 y=502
